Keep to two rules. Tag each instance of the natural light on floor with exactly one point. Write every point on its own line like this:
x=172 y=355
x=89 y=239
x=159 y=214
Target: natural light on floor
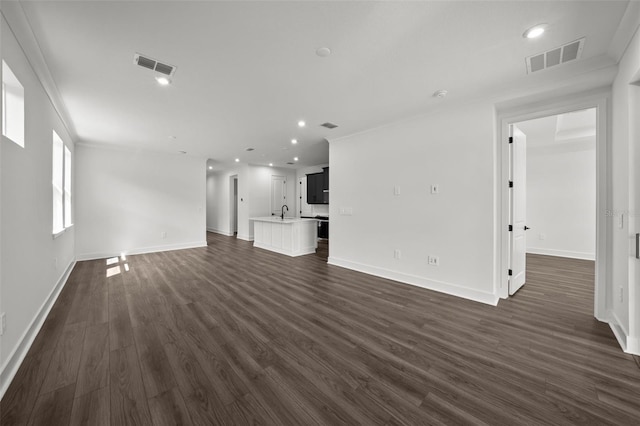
x=115 y=270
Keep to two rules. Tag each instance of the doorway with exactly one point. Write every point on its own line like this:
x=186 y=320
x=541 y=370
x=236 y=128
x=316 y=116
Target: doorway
x=233 y=204
x=552 y=191
x=596 y=101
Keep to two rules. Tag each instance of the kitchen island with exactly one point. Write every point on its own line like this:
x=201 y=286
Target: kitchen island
x=290 y=236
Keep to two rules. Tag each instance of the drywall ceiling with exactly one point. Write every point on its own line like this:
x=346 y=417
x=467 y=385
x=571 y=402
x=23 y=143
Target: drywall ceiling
x=569 y=132
x=248 y=71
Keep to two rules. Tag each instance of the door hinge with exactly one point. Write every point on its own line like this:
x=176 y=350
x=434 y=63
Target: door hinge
x=510 y=184
x=510 y=139
x=510 y=228
x=510 y=272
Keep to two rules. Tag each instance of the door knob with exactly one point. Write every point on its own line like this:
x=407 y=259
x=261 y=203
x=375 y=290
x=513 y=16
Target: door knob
x=526 y=227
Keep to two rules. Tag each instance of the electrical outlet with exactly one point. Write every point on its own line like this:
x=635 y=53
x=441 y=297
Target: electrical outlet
x=435 y=188
x=434 y=260
x=542 y=237
x=396 y=190
x=163 y=235
x=621 y=292
x=3 y=323
x=55 y=262
x=397 y=254
x=346 y=211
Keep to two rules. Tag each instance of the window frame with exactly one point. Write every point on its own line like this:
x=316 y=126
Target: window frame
x=62 y=185
x=11 y=84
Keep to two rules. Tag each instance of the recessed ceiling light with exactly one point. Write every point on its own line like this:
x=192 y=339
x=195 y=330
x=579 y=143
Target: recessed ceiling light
x=172 y=137
x=237 y=160
x=250 y=149
x=301 y=123
x=163 y=81
x=270 y=164
x=182 y=152
x=323 y=52
x=440 y=93
x=295 y=158
x=210 y=167
x=294 y=141
x=535 y=31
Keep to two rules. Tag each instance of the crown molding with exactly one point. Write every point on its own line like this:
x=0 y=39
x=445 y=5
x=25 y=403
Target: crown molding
x=18 y=23
x=626 y=30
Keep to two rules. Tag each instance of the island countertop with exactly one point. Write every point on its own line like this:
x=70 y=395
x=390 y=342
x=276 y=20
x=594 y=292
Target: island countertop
x=291 y=236
x=277 y=219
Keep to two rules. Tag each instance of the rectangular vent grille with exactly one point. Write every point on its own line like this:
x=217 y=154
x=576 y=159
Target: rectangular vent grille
x=329 y=125
x=560 y=55
x=152 y=64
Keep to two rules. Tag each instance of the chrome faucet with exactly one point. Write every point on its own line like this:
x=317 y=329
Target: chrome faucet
x=282 y=210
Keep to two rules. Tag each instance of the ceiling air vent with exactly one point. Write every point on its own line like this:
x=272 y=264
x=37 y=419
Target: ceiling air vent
x=560 y=55
x=152 y=64
x=329 y=125
x=290 y=163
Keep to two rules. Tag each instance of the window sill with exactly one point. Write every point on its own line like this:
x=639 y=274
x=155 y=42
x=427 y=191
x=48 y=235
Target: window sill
x=57 y=234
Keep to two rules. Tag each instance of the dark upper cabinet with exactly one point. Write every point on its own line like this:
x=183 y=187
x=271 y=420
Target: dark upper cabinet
x=318 y=187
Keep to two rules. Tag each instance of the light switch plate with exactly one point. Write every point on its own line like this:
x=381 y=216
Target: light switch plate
x=435 y=188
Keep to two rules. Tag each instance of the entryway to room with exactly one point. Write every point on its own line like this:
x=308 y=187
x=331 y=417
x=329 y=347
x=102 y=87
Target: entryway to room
x=553 y=169
x=553 y=205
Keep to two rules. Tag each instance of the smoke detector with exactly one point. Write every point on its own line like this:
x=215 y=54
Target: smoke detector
x=559 y=55
x=440 y=94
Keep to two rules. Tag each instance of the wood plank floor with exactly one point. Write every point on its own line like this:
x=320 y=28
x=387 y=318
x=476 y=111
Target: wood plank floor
x=229 y=334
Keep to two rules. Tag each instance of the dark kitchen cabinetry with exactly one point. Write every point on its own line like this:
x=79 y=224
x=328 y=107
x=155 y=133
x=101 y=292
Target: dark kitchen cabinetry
x=318 y=187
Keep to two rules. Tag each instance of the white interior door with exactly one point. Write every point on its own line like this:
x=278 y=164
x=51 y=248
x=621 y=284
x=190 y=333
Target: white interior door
x=278 y=194
x=518 y=210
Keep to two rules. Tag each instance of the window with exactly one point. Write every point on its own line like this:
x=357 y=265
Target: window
x=58 y=178
x=61 y=184
x=12 y=106
x=67 y=188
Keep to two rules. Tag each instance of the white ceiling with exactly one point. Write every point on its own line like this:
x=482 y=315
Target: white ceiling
x=247 y=71
x=569 y=132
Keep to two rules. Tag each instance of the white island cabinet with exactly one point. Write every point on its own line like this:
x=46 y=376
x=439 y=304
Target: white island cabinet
x=290 y=236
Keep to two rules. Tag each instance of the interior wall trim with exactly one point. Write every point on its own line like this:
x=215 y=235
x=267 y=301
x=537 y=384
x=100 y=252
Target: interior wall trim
x=439 y=286
x=142 y=250
x=14 y=360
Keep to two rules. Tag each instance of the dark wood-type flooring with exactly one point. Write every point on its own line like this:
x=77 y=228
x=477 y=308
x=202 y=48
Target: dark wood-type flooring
x=230 y=334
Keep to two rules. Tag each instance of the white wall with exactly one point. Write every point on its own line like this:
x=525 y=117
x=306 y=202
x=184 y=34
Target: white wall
x=211 y=210
x=260 y=191
x=33 y=264
x=453 y=148
x=127 y=199
x=561 y=198
x=254 y=197
x=218 y=201
x=625 y=270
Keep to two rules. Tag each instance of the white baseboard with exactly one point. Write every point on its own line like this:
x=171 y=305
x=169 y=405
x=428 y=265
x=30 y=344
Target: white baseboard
x=619 y=333
x=15 y=358
x=442 y=287
x=244 y=237
x=217 y=231
x=562 y=253
x=633 y=346
x=629 y=344
x=142 y=250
